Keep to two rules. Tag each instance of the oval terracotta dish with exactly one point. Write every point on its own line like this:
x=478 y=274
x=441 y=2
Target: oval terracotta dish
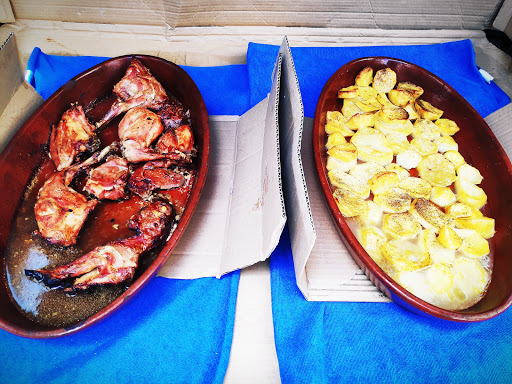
x=479 y=147
x=25 y=154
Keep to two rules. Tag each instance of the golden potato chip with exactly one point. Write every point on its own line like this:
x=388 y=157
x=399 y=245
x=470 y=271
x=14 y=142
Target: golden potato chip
x=384 y=80
x=427 y=110
x=365 y=77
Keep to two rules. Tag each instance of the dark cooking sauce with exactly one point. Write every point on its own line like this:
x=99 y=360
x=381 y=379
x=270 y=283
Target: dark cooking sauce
x=107 y=222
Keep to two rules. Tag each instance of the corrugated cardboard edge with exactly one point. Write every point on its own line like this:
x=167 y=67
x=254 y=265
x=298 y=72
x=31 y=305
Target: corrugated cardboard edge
x=6 y=15
x=503 y=20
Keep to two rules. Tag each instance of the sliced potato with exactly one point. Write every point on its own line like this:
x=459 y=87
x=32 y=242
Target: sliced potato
x=469 y=173
x=367 y=93
x=408 y=159
x=425 y=129
x=349 y=203
x=437 y=170
x=462 y=210
x=416 y=187
x=411 y=110
x=365 y=77
x=442 y=196
x=398 y=142
x=383 y=99
x=383 y=181
x=372 y=239
x=428 y=215
x=368 y=105
x=454 y=157
x=448 y=238
x=400 y=97
x=448 y=127
x=401 y=225
x=394 y=200
x=401 y=172
x=372 y=145
x=350 y=108
x=437 y=252
x=346 y=181
x=348 y=92
x=423 y=146
x=384 y=80
x=361 y=120
x=403 y=127
x=371 y=217
x=404 y=256
x=483 y=225
x=470 y=193
x=446 y=143
x=469 y=278
x=335 y=138
x=393 y=115
x=475 y=245
x=365 y=171
x=427 y=110
x=413 y=89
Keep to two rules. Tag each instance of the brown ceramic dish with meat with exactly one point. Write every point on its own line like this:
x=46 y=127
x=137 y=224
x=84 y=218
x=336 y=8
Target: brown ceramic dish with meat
x=476 y=143
x=103 y=180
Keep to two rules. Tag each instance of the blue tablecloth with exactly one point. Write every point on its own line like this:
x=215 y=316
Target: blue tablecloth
x=320 y=342
x=172 y=331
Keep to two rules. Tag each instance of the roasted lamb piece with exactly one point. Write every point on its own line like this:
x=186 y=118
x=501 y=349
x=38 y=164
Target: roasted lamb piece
x=152 y=176
x=114 y=262
x=108 y=181
x=60 y=210
x=177 y=144
x=138 y=88
x=173 y=114
x=71 y=137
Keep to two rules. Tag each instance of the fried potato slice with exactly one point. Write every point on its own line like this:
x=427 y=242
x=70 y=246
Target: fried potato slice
x=361 y=120
x=350 y=108
x=346 y=181
x=401 y=172
x=383 y=181
x=411 y=110
x=384 y=80
x=398 y=126
x=342 y=157
x=470 y=193
x=483 y=225
x=469 y=278
x=371 y=217
x=469 y=173
x=367 y=93
x=448 y=127
x=427 y=110
x=448 y=238
x=454 y=157
x=400 y=97
x=365 y=77
x=349 y=203
x=398 y=142
x=404 y=256
x=408 y=159
x=437 y=252
x=428 y=215
x=371 y=105
x=457 y=210
x=442 y=196
x=394 y=200
x=425 y=129
x=446 y=143
x=416 y=187
x=336 y=122
x=382 y=98
x=423 y=146
x=372 y=145
x=473 y=244
x=365 y=171
x=335 y=138
x=413 y=89
x=400 y=225
x=437 y=170
x=393 y=114
x=350 y=92
x=372 y=239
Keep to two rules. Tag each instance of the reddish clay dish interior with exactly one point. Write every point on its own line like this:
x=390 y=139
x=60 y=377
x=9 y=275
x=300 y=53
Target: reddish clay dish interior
x=25 y=153
x=479 y=147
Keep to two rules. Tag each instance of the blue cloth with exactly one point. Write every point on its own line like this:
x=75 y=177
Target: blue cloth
x=319 y=342
x=172 y=331
x=453 y=62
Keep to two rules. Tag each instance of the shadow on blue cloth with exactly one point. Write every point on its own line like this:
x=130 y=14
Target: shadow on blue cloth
x=172 y=331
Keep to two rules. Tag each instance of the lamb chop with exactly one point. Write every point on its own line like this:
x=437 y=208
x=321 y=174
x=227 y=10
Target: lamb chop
x=114 y=262
x=60 y=210
x=138 y=88
x=108 y=181
x=154 y=175
x=71 y=137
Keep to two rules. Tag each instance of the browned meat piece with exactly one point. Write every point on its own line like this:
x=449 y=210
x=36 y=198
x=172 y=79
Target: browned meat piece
x=138 y=88
x=116 y=261
x=108 y=181
x=137 y=131
x=173 y=114
x=177 y=144
x=60 y=210
x=72 y=136
x=152 y=176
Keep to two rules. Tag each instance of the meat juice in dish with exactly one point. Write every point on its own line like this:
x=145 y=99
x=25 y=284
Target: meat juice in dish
x=406 y=192
x=81 y=231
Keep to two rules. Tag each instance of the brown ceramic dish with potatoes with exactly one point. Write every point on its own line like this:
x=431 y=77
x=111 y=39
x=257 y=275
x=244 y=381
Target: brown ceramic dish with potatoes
x=478 y=146
x=25 y=165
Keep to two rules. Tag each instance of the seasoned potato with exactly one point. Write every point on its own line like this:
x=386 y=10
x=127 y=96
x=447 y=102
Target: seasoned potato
x=469 y=276
x=411 y=110
x=404 y=256
x=346 y=181
x=442 y=196
x=454 y=157
x=350 y=108
x=365 y=171
x=342 y=157
x=365 y=77
x=437 y=252
x=416 y=187
x=470 y=193
x=371 y=105
x=336 y=122
x=469 y=173
x=401 y=172
x=408 y=159
x=448 y=238
x=372 y=145
x=391 y=115
x=384 y=80
x=462 y=210
x=398 y=142
x=383 y=181
x=335 y=138
x=423 y=146
x=448 y=127
x=367 y=93
x=372 y=216
x=349 y=203
x=395 y=126
x=428 y=215
x=400 y=97
x=427 y=110
x=348 y=92
x=483 y=225
x=415 y=90
x=393 y=200
x=361 y=120
x=437 y=170
x=446 y=143
x=425 y=129
x=401 y=225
